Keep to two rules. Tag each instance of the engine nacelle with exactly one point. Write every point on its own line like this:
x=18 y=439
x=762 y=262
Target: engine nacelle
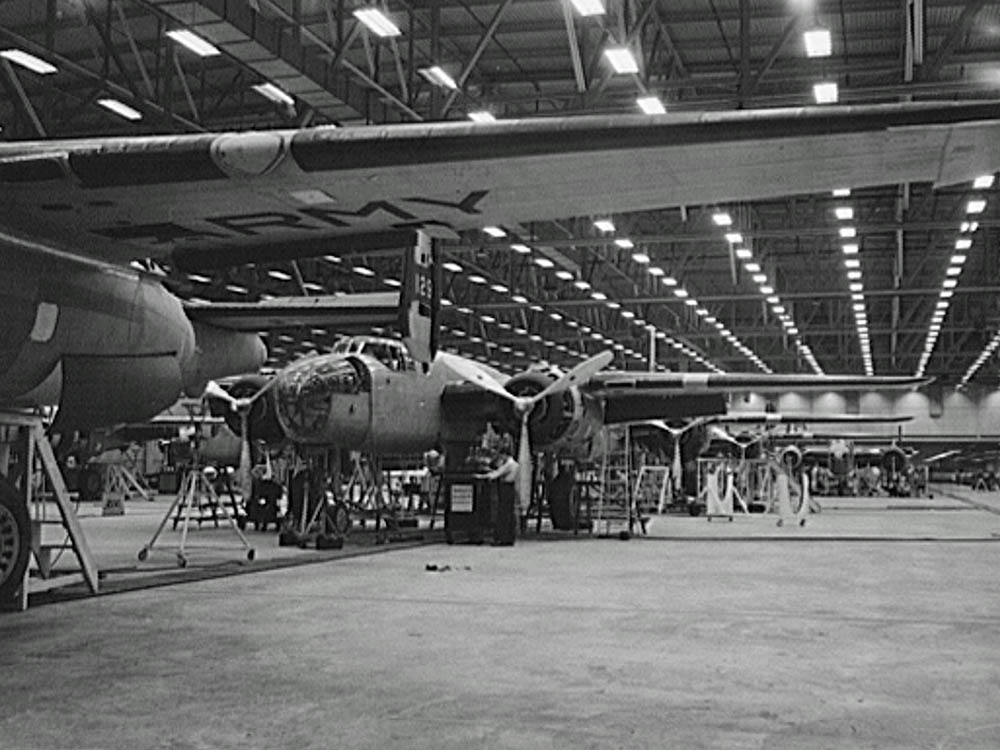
x=894 y=460
x=790 y=457
x=262 y=421
x=568 y=420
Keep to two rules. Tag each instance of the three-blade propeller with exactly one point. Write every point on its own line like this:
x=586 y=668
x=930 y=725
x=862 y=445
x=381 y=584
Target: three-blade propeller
x=524 y=405
x=241 y=406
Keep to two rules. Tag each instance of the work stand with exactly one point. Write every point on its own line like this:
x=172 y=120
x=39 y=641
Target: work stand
x=35 y=453
x=195 y=492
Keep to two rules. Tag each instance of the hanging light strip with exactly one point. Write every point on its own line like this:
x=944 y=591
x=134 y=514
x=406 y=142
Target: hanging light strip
x=963 y=244
x=851 y=250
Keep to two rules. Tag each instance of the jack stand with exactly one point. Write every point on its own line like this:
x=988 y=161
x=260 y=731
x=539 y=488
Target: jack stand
x=194 y=487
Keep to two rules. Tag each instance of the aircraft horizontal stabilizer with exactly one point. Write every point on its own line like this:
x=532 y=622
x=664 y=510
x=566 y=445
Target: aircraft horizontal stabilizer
x=347 y=313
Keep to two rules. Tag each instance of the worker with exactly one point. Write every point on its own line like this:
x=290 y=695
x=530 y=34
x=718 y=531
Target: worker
x=504 y=505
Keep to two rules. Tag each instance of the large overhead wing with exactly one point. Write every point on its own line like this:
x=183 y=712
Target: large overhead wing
x=222 y=199
x=638 y=396
x=769 y=418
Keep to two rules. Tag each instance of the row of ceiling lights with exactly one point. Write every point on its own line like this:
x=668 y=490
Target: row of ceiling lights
x=963 y=244
x=851 y=248
x=745 y=255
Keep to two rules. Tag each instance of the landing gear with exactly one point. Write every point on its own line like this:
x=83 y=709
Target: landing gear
x=15 y=540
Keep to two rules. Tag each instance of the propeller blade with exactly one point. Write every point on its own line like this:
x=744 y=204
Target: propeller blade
x=578 y=375
x=214 y=390
x=243 y=478
x=525 y=471
x=475 y=374
x=678 y=467
x=266 y=387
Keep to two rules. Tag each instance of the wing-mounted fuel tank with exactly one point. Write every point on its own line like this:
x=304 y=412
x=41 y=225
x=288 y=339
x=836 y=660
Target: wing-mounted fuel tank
x=562 y=421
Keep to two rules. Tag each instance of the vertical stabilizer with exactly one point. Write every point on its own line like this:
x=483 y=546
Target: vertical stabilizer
x=421 y=298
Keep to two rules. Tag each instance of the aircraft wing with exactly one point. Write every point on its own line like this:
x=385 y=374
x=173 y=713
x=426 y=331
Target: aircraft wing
x=766 y=418
x=639 y=396
x=219 y=199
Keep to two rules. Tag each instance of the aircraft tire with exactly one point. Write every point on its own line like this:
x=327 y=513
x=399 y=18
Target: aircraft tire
x=15 y=540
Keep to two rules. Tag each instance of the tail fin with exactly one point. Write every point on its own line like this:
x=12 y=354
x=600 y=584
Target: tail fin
x=420 y=299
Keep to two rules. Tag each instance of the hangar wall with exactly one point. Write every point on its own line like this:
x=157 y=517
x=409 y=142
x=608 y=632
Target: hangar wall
x=973 y=413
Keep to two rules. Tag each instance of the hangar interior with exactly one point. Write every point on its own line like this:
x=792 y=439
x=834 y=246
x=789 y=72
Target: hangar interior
x=893 y=280
x=884 y=280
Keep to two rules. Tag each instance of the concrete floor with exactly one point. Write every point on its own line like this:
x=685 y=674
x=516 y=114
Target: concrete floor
x=658 y=642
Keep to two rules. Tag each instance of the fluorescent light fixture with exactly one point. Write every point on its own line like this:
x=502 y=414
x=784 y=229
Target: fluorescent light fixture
x=976 y=206
x=495 y=232
x=743 y=253
x=722 y=219
x=826 y=93
x=605 y=225
x=121 y=109
x=983 y=183
x=589 y=7
x=669 y=281
x=957 y=260
x=272 y=92
x=968 y=226
x=853 y=275
x=564 y=275
x=544 y=263
x=691 y=302
x=950 y=283
x=482 y=115
x=581 y=285
x=477 y=279
x=651 y=105
x=519 y=299
x=622 y=60
x=850 y=248
x=842 y=193
x=818 y=42
x=389 y=282
x=759 y=278
x=612 y=305
x=734 y=238
x=655 y=271
x=274 y=273
x=377 y=22
x=682 y=293
x=852 y=263
x=194 y=43
x=765 y=289
x=599 y=296
x=844 y=213
x=625 y=243
x=29 y=61
x=451 y=266
x=752 y=267
x=953 y=271
x=363 y=271
x=332 y=258
x=848 y=233
x=963 y=243
x=439 y=76
x=499 y=288
x=199 y=278
x=627 y=314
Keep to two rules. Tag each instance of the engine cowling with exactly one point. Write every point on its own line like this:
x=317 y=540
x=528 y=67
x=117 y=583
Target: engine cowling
x=790 y=457
x=262 y=421
x=894 y=460
x=568 y=420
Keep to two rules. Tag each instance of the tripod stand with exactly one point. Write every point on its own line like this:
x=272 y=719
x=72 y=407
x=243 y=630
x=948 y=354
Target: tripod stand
x=195 y=490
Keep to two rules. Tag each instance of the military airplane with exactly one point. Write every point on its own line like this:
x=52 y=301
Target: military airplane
x=109 y=344
x=368 y=395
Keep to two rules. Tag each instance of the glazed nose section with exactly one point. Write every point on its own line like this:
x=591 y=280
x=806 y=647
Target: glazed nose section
x=323 y=400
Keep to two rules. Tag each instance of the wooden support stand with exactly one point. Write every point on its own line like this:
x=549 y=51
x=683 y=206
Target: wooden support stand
x=35 y=453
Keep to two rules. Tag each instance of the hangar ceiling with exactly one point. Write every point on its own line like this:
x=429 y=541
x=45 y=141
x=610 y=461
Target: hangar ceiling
x=564 y=289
